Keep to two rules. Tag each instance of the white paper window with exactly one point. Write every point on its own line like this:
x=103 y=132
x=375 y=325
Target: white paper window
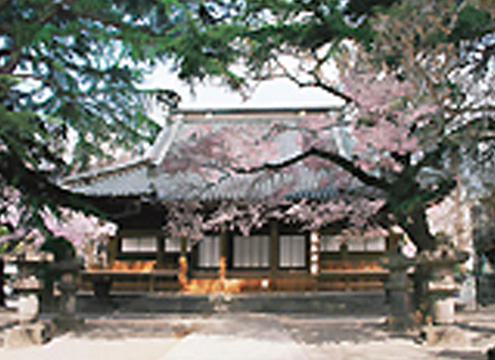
x=139 y=244
x=375 y=244
x=355 y=244
x=251 y=251
x=292 y=251
x=330 y=243
x=209 y=252
x=173 y=245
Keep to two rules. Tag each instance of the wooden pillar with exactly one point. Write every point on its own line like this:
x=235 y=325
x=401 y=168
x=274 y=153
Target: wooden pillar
x=183 y=246
x=344 y=256
x=274 y=248
x=223 y=254
x=112 y=250
x=160 y=250
x=183 y=265
x=314 y=252
x=393 y=239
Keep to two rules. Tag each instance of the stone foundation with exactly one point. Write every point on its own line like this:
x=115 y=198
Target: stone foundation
x=331 y=303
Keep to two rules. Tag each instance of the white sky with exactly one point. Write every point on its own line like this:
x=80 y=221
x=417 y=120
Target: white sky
x=277 y=93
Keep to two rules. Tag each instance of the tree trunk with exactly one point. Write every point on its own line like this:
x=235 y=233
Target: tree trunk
x=415 y=224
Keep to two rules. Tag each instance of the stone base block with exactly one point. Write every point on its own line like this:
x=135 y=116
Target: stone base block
x=448 y=336
x=400 y=323
x=26 y=335
x=68 y=323
x=490 y=353
x=444 y=311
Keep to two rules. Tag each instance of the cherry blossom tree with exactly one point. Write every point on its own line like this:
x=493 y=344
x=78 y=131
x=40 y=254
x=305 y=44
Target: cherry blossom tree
x=216 y=153
x=415 y=91
x=414 y=77
x=415 y=82
x=22 y=230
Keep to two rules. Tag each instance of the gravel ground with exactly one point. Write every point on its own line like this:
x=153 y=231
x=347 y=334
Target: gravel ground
x=366 y=338
x=313 y=337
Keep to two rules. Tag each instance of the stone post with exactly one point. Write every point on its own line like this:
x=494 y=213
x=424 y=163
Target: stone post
x=398 y=291
x=30 y=265
x=441 y=285
x=67 y=318
x=47 y=298
x=2 y=281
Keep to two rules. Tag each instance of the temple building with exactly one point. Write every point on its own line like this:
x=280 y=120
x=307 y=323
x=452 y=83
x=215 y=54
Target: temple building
x=190 y=221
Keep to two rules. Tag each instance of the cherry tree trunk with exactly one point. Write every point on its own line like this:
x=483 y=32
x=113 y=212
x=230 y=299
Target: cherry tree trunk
x=417 y=228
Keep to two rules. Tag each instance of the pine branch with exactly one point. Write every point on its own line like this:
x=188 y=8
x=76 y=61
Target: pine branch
x=35 y=184
x=317 y=83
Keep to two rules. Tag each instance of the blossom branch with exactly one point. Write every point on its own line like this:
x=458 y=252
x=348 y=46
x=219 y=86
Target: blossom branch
x=332 y=157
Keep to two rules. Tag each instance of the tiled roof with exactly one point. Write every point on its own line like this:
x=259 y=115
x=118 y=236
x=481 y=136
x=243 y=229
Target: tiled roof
x=148 y=175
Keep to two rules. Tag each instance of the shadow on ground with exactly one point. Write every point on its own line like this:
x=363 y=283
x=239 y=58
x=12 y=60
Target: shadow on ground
x=459 y=354
x=318 y=331
x=139 y=327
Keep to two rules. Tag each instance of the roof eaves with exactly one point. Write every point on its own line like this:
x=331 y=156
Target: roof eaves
x=260 y=110
x=252 y=114
x=160 y=148
x=153 y=157
x=104 y=172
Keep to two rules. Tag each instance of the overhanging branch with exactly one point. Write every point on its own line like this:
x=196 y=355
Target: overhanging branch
x=317 y=83
x=37 y=185
x=330 y=89
x=332 y=157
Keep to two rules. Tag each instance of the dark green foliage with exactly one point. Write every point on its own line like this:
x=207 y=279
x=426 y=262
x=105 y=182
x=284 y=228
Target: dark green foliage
x=69 y=73
x=70 y=70
x=472 y=23
x=61 y=248
x=359 y=8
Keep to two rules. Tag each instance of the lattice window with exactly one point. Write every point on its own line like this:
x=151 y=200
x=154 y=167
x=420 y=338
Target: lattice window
x=292 y=251
x=172 y=245
x=209 y=252
x=329 y=243
x=252 y=251
x=139 y=244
